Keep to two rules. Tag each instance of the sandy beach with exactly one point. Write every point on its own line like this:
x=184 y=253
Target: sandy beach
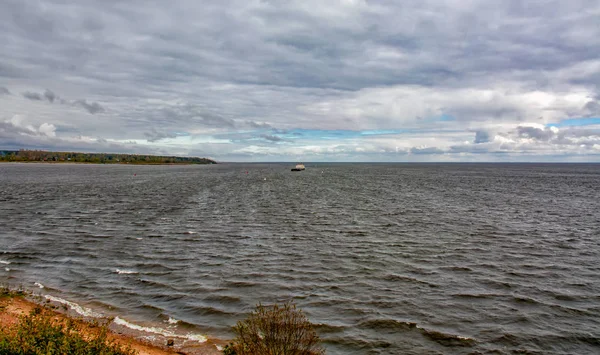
x=11 y=308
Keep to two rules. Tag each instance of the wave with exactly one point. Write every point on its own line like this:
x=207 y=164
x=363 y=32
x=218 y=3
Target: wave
x=4 y=262
x=223 y=299
x=329 y=328
x=446 y=339
x=87 y=312
x=160 y=331
x=457 y=268
x=84 y=311
x=476 y=295
x=564 y=297
x=395 y=278
x=437 y=336
x=38 y=285
x=379 y=324
x=239 y=284
x=125 y=272
x=525 y=300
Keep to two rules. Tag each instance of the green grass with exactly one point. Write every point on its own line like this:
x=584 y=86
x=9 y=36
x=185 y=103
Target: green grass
x=40 y=333
x=6 y=292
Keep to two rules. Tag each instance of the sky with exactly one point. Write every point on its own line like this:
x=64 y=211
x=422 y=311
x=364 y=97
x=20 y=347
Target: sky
x=304 y=80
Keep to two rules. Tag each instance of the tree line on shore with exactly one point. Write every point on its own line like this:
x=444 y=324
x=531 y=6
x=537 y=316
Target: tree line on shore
x=25 y=155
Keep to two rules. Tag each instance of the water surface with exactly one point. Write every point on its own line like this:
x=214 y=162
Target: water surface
x=385 y=258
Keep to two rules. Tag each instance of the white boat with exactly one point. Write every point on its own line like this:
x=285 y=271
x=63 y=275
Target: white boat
x=299 y=167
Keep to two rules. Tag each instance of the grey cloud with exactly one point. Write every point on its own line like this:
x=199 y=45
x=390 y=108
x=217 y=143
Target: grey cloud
x=280 y=131
x=154 y=136
x=429 y=150
x=49 y=95
x=190 y=116
x=92 y=107
x=482 y=137
x=535 y=133
x=481 y=148
x=592 y=108
x=215 y=120
x=10 y=130
x=16 y=135
x=10 y=71
x=576 y=136
x=579 y=132
x=259 y=125
x=4 y=91
x=377 y=43
x=32 y=96
x=269 y=60
x=271 y=138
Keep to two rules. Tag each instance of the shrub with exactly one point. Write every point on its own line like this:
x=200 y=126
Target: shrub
x=276 y=330
x=38 y=333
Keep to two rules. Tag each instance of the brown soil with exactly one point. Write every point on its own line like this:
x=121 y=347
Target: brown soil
x=13 y=307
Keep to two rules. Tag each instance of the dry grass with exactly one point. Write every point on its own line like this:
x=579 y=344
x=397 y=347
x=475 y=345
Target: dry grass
x=276 y=330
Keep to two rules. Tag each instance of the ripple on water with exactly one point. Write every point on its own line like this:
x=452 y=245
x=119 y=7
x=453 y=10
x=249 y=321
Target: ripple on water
x=386 y=258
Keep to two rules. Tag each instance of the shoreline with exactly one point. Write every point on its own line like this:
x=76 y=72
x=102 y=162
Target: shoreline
x=145 y=340
x=92 y=163
x=27 y=155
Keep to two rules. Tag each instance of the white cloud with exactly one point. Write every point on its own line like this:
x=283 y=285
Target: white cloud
x=47 y=129
x=223 y=77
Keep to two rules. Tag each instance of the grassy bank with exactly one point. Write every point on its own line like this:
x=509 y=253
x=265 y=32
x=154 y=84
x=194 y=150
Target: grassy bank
x=28 y=325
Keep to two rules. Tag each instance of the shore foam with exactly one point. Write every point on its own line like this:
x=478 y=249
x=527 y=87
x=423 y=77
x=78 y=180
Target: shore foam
x=172 y=321
x=87 y=312
x=160 y=331
x=84 y=311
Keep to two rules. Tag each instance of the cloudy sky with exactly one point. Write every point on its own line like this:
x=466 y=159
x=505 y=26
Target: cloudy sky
x=304 y=80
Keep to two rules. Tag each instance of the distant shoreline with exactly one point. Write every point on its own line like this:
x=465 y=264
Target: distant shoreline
x=91 y=163
x=42 y=156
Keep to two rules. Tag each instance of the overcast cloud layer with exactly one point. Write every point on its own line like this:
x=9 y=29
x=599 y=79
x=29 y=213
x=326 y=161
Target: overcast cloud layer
x=304 y=80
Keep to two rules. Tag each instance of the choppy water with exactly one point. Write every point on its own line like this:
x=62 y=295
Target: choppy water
x=387 y=259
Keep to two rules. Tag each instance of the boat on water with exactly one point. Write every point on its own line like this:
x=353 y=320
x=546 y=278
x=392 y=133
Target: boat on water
x=299 y=167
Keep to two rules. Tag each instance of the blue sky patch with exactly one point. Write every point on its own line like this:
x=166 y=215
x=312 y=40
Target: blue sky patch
x=575 y=122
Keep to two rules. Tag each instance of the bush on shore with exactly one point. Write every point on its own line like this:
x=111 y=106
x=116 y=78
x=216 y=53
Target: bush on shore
x=276 y=330
x=40 y=333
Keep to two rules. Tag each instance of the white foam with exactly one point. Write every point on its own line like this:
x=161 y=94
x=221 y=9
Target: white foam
x=172 y=321
x=84 y=311
x=219 y=347
x=118 y=271
x=4 y=262
x=139 y=238
x=156 y=330
x=7 y=269
x=190 y=232
x=38 y=284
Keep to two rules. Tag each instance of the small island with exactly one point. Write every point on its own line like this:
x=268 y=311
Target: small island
x=25 y=155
